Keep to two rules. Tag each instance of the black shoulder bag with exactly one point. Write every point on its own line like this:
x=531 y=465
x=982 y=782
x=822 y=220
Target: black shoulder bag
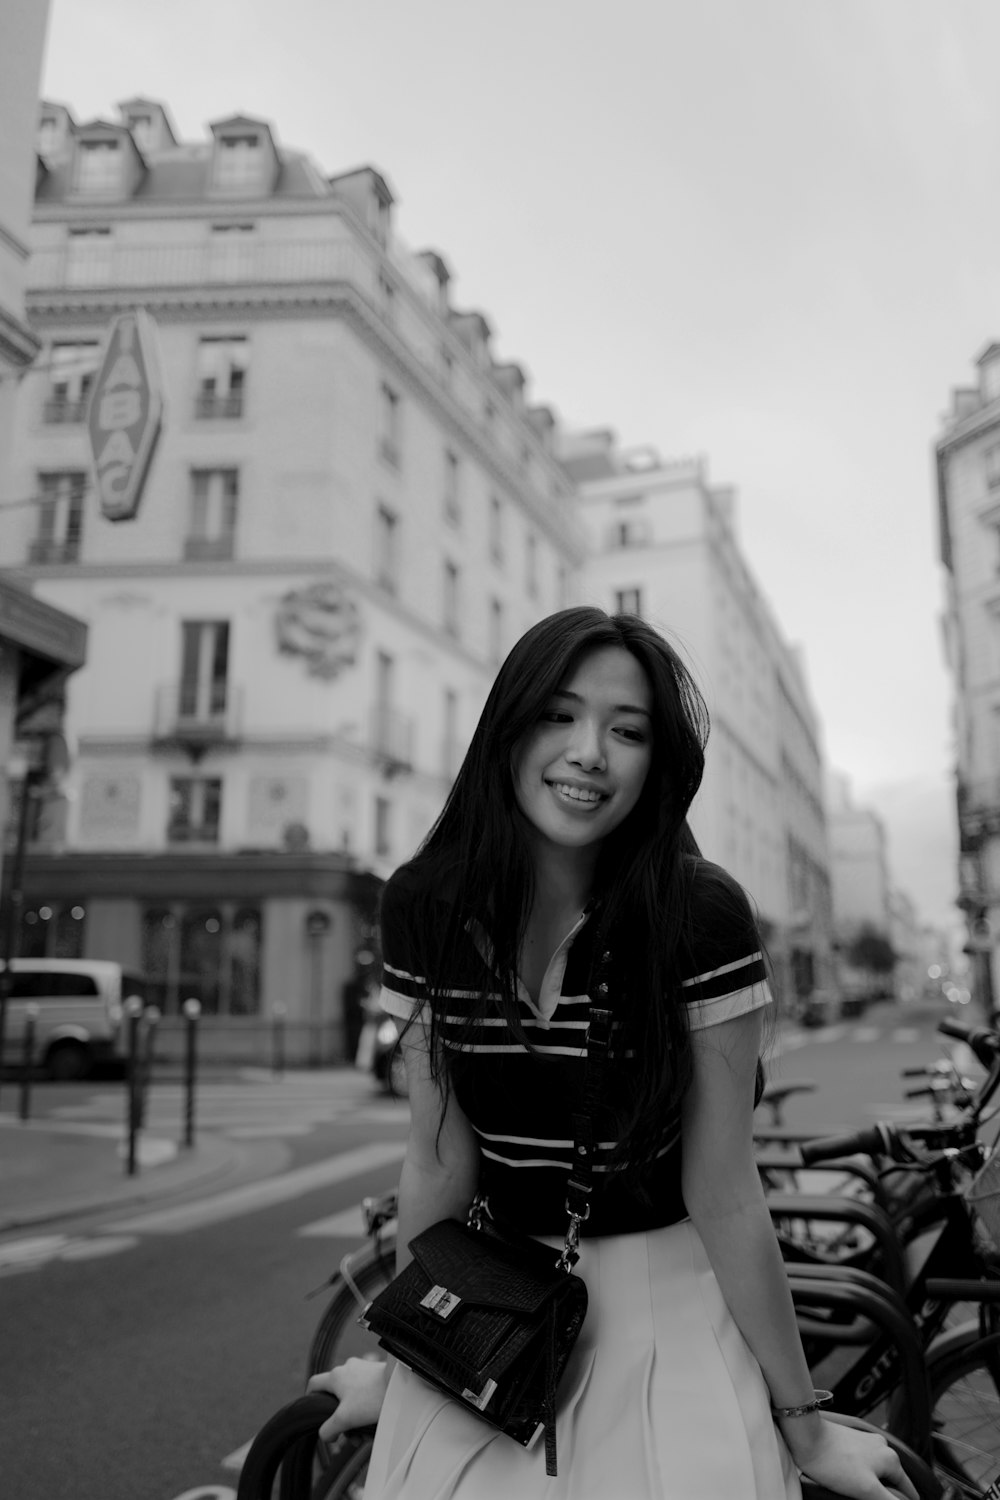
x=488 y=1318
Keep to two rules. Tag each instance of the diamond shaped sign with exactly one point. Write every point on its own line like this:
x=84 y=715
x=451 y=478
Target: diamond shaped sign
x=125 y=414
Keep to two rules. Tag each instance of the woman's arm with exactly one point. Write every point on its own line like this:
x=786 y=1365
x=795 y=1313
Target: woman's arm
x=438 y=1181
x=724 y=1197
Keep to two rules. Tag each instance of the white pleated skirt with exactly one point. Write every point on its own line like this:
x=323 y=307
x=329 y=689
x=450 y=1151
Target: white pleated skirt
x=661 y=1400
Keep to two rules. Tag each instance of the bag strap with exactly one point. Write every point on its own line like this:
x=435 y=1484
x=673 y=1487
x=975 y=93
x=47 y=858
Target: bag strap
x=580 y=1184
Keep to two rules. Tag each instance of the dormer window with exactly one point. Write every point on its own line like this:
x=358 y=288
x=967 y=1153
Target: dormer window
x=99 y=168
x=49 y=135
x=142 y=129
x=238 y=162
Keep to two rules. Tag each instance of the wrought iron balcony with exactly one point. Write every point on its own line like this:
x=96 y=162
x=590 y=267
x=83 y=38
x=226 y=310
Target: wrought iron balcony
x=59 y=409
x=224 y=405
x=392 y=739
x=196 y=717
x=50 y=551
x=978 y=810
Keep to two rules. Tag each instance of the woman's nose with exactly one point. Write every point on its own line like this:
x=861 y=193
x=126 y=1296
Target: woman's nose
x=587 y=750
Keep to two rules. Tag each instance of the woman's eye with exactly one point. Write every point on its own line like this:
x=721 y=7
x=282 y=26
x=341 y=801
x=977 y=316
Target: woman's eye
x=554 y=716
x=627 y=733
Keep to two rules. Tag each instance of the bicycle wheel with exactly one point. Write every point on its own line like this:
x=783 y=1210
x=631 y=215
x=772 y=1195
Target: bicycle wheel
x=965 y=1394
x=287 y=1462
x=338 y=1335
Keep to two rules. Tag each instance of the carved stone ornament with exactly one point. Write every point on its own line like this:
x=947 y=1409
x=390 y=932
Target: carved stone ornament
x=321 y=623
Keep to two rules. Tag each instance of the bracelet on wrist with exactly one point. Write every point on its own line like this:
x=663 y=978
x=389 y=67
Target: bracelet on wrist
x=819 y=1398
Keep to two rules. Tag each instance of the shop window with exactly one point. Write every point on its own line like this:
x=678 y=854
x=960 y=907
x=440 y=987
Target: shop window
x=52 y=930
x=206 y=953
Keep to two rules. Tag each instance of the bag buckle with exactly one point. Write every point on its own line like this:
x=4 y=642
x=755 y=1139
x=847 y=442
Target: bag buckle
x=441 y=1302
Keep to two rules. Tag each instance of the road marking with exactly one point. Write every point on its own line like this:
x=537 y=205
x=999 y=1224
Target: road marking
x=38 y=1251
x=257 y=1195
x=349 y=1225
x=906 y=1034
x=237 y=1458
x=265 y=1132
x=865 y=1034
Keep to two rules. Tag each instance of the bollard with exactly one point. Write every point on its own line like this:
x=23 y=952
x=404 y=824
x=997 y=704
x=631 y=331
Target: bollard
x=150 y=1019
x=278 y=1041
x=27 y=1059
x=192 y=1010
x=132 y=1007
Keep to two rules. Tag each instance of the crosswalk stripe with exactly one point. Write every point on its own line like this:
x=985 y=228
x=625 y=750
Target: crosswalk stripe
x=348 y=1225
x=257 y=1195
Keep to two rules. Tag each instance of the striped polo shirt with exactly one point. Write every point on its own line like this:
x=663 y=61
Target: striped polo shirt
x=520 y=1102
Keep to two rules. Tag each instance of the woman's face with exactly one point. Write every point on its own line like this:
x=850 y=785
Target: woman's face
x=580 y=771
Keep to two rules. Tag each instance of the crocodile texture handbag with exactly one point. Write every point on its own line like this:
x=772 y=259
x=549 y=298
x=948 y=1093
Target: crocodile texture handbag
x=490 y=1319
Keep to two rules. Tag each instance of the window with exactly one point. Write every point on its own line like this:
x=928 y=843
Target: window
x=452 y=504
x=450 y=612
x=386 y=549
x=629 y=533
x=389 y=425
x=215 y=495
x=387 y=297
x=72 y=370
x=52 y=930
x=991 y=463
x=88 y=257
x=238 y=162
x=496 y=632
x=449 y=756
x=531 y=565
x=231 y=252
x=205 y=953
x=99 y=167
x=204 y=670
x=222 y=367
x=628 y=602
x=496 y=530
x=383 y=830
x=60 y=518
x=195 y=808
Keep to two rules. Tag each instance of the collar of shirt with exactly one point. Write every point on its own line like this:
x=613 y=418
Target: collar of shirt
x=551 y=986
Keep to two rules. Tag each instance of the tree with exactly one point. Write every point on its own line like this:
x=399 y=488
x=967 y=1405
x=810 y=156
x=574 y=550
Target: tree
x=872 y=950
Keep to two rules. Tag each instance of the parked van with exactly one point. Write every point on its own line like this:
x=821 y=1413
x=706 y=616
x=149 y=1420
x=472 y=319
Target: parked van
x=78 y=1004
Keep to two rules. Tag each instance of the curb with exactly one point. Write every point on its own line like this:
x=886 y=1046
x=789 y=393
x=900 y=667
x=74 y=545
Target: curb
x=216 y=1158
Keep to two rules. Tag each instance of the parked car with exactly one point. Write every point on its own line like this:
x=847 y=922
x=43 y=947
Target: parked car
x=79 y=1010
x=378 y=1049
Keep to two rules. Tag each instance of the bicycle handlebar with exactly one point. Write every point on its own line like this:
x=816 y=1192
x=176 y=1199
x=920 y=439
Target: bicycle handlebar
x=871 y=1142
x=983 y=1042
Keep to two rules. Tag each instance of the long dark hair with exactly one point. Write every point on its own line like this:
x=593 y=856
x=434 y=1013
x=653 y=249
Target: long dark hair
x=476 y=858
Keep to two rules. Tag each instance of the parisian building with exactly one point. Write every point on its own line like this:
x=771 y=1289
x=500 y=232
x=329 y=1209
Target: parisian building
x=968 y=500
x=662 y=543
x=39 y=645
x=353 y=509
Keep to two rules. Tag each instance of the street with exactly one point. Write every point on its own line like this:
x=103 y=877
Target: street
x=142 y=1348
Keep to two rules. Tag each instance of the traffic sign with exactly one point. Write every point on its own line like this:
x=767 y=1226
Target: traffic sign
x=125 y=414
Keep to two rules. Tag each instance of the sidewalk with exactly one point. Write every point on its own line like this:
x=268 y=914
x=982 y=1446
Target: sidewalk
x=53 y=1169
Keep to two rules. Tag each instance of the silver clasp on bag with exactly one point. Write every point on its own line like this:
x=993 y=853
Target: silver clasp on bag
x=440 y=1301
x=571 y=1247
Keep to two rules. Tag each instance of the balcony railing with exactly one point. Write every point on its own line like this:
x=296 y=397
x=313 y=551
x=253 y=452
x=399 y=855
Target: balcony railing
x=58 y=410
x=192 y=716
x=392 y=739
x=49 y=551
x=226 y=405
x=209 y=548
x=192 y=833
x=148 y=263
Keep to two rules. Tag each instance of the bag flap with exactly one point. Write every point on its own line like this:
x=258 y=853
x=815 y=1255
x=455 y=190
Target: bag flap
x=484 y=1270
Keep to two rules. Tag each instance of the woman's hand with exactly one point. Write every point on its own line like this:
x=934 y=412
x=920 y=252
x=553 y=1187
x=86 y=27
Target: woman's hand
x=359 y=1386
x=849 y=1461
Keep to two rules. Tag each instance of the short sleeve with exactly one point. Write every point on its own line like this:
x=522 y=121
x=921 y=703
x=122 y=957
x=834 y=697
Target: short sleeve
x=404 y=989
x=724 y=972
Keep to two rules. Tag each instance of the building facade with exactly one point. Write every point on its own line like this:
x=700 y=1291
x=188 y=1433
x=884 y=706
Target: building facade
x=352 y=512
x=39 y=646
x=968 y=496
x=662 y=542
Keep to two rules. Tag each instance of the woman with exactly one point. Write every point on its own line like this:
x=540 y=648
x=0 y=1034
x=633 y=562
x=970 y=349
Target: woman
x=566 y=831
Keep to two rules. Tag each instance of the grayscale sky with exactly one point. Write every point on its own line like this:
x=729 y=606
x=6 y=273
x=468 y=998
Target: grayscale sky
x=767 y=231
